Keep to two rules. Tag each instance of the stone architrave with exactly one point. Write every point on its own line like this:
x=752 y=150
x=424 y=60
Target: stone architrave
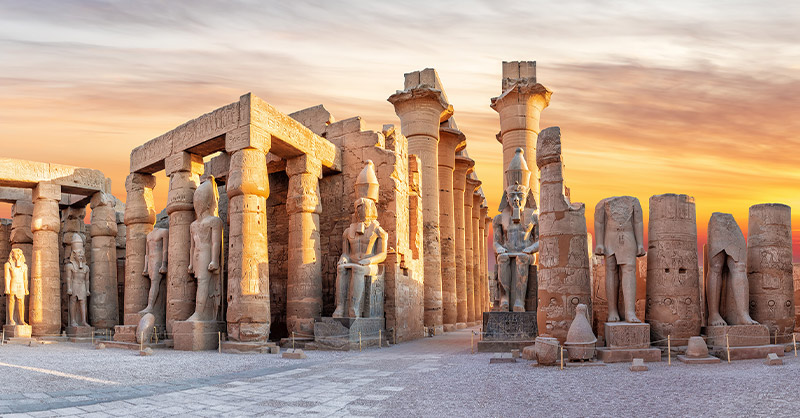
x=104 y=303
x=727 y=288
x=673 y=284
x=304 y=285
x=248 y=315
x=184 y=171
x=16 y=287
x=421 y=107
x=563 y=273
x=463 y=165
x=471 y=185
x=45 y=286
x=520 y=105
x=769 y=268
x=450 y=141
x=140 y=215
x=619 y=230
x=476 y=252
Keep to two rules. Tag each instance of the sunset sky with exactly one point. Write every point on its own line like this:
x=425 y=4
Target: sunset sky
x=652 y=97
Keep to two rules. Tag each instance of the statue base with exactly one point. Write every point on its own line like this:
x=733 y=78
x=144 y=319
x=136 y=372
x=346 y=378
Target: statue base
x=249 y=347
x=125 y=333
x=17 y=331
x=626 y=341
x=196 y=335
x=737 y=335
x=698 y=360
x=504 y=331
x=80 y=334
x=347 y=333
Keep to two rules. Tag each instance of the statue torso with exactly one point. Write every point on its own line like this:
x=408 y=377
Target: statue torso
x=362 y=243
x=518 y=235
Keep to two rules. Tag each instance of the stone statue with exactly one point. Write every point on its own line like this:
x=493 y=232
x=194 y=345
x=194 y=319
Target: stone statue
x=155 y=257
x=206 y=252
x=16 y=272
x=364 y=246
x=77 y=277
x=516 y=235
x=727 y=260
x=619 y=231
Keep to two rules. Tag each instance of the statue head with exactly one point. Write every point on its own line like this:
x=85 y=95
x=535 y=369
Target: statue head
x=517 y=196
x=78 y=257
x=206 y=198
x=366 y=210
x=16 y=258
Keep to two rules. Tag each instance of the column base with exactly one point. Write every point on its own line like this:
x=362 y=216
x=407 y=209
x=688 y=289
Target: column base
x=461 y=325
x=17 y=331
x=196 y=335
x=449 y=327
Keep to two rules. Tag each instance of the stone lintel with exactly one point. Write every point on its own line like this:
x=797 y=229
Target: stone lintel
x=248 y=136
x=27 y=174
x=45 y=190
x=12 y=194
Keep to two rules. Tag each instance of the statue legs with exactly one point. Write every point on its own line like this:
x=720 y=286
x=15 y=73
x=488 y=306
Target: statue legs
x=21 y=310
x=621 y=275
x=741 y=292
x=714 y=289
x=356 y=295
x=504 y=279
x=77 y=312
x=155 y=285
x=521 y=282
x=10 y=318
x=201 y=302
x=342 y=285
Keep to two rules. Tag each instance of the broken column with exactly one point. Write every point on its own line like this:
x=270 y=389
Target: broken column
x=45 y=287
x=304 y=284
x=421 y=107
x=470 y=233
x=520 y=106
x=248 y=314
x=563 y=273
x=103 y=303
x=769 y=268
x=451 y=141
x=184 y=170
x=673 y=284
x=140 y=215
x=463 y=165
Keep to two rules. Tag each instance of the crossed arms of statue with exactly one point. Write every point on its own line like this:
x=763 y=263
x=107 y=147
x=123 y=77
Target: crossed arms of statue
x=70 y=273
x=379 y=249
x=531 y=230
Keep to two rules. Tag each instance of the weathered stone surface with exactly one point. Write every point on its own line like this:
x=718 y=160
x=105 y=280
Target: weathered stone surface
x=737 y=335
x=773 y=360
x=294 y=354
x=726 y=284
x=769 y=268
x=620 y=355
x=28 y=174
x=315 y=118
x=17 y=331
x=343 y=333
x=547 y=351
x=796 y=279
x=463 y=166
x=104 y=303
x=509 y=326
x=139 y=218
x=698 y=360
x=696 y=347
x=450 y=141
x=580 y=343
x=45 y=286
x=476 y=251
x=749 y=352
x=196 y=335
x=599 y=299
x=638 y=365
x=82 y=332
x=627 y=335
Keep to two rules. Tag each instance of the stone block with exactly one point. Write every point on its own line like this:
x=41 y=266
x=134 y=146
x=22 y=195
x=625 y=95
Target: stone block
x=748 y=353
x=196 y=335
x=46 y=190
x=247 y=347
x=698 y=360
x=125 y=333
x=17 y=331
x=183 y=161
x=619 y=355
x=502 y=358
x=627 y=335
x=509 y=326
x=80 y=332
x=638 y=365
x=294 y=354
x=343 y=333
x=248 y=136
x=773 y=360
x=738 y=335
x=515 y=353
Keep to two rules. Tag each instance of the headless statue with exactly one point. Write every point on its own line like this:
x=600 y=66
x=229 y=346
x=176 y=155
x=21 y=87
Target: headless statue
x=155 y=268
x=619 y=230
x=364 y=247
x=16 y=275
x=516 y=235
x=727 y=255
x=206 y=252
x=77 y=272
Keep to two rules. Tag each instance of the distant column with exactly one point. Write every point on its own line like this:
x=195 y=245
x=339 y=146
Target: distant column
x=469 y=191
x=483 y=265
x=104 y=301
x=476 y=251
x=45 y=288
x=450 y=141
x=140 y=215
x=462 y=167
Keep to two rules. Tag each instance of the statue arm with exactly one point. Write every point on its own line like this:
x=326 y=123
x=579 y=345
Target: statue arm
x=25 y=278
x=68 y=273
x=345 y=248
x=191 y=248
x=216 y=245
x=7 y=268
x=164 y=252
x=146 y=263
x=600 y=227
x=534 y=235
x=382 y=245
x=497 y=231
x=638 y=228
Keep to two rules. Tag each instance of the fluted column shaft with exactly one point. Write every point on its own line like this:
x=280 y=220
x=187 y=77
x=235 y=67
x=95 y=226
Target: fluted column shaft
x=469 y=242
x=450 y=141
x=462 y=167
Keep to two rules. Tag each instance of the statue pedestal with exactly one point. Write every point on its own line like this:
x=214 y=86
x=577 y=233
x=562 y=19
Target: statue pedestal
x=626 y=341
x=248 y=347
x=745 y=342
x=343 y=333
x=125 y=333
x=125 y=337
x=196 y=335
x=80 y=334
x=504 y=331
x=17 y=331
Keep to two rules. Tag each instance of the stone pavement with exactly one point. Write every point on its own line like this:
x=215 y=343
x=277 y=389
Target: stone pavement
x=429 y=377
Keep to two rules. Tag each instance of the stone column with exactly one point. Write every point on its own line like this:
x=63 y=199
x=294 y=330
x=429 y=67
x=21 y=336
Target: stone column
x=450 y=141
x=673 y=277
x=476 y=252
x=184 y=170
x=469 y=245
x=769 y=268
x=421 y=109
x=304 y=282
x=483 y=263
x=463 y=166
x=520 y=106
x=45 y=275
x=5 y=250
x=104 y=301
x=22 y=237
x=140 y=215
x=248 y=314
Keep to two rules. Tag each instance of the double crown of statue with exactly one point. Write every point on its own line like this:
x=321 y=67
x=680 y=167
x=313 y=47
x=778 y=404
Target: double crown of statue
x=367 y=183
x=518 y=173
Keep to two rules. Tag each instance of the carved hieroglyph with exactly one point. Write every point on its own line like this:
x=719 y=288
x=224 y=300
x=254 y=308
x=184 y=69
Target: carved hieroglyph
x=727 y=289
x=16 y=287
x=364 y=246
x=206 y=252
x=563 y=273
x=673 y=284
x=619 y=231
x=516 y=231
x=769 y=268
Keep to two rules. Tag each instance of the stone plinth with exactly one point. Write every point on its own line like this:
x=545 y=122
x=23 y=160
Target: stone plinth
x=619 y=355
x=738 y=335
x=627 y=335
x=343 y=333
x=80 y=333
x=249 y=347
x=503 y=331
x=196 y=335
x=125 y=333
x=17 y=331
x=698 y=360
x=748 y=353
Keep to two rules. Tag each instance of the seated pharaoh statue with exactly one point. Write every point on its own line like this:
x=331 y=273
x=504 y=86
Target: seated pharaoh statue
x=516 y=235
x=206 y=252
x=364 y=246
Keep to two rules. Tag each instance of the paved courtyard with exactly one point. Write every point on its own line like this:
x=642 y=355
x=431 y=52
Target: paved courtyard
x=429 y=377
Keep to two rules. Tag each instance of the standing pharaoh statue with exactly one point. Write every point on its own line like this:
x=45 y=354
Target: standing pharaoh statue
x=155 y=257
x=206 y=252
x=727 y=258
x=619 y=231
x=364 y=247
x=516 y=235
x=16 y=275
x=77 y=277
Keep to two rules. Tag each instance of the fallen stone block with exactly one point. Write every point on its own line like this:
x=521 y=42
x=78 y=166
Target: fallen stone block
x=773 y=360
x=638 y=365
x=294 y=354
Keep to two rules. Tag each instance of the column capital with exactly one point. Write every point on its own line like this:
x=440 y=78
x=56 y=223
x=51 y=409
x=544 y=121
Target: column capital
x=248 y=136
x=451 y=141
x=46 y=190
x=421 y=110
x=464 y=166
x=247 y=173
x=472 y=185
x=523 y=92
x=139 y=207
x=304 y=164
